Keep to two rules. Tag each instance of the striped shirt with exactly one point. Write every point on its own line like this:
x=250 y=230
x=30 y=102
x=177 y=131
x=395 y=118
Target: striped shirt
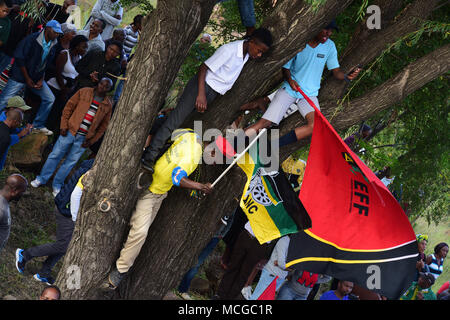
x=89 y=116
x=4 y=76
x=436 y=270
x=131 y=39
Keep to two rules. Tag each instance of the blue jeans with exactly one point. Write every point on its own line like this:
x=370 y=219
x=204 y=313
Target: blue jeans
x=186 y=281
x=247 y=12
x=47 y=98
x=264 y=281
x=68 y=146
x=286 y=293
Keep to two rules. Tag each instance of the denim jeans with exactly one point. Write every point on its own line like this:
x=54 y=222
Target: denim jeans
x=264 y=281
x=286 y=293
x=247 y=12
x=186 y=281
x=68 y=146
x=47 y=98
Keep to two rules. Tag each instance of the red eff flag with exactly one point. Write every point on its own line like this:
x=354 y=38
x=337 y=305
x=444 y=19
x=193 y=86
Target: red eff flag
x=269 y=293
x=349 y=205
x=359 y=231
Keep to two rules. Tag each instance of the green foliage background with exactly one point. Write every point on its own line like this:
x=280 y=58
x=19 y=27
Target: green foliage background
x=419 y=134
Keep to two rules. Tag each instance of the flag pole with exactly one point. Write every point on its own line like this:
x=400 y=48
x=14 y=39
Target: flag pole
x=239 y=156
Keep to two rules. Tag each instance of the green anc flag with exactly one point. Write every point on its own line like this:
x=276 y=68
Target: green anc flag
x=269 y=201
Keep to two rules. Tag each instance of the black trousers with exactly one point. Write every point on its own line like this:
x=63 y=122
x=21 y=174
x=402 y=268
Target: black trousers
x=185 y=106
x=53 y=250
x=247 y=252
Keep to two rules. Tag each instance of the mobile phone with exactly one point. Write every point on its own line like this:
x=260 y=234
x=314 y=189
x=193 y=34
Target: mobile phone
x=355 y=68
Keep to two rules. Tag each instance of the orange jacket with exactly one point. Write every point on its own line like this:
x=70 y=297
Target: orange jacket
x=76 y=109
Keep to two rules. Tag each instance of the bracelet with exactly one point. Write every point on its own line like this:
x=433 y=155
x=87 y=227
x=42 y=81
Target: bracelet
x=347 y=79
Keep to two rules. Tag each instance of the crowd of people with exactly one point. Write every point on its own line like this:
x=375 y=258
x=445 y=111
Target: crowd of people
x=69 y=78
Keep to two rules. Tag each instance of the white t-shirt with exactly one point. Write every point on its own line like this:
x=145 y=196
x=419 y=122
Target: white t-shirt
x=225 y=65
x=69 y=71
x=75 y=199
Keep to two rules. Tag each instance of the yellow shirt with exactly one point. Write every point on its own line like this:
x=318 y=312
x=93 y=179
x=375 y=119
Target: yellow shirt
x=180 y=160
x=79 y=184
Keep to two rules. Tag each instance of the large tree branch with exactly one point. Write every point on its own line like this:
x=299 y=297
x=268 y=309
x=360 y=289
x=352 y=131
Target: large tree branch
x=293 y=24
x=375 y=43
x=389 y=9
x=411 y=78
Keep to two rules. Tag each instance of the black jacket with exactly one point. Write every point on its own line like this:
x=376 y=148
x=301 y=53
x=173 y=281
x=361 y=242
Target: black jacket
x=28 y=54
x=62 y=199
x=95 y=61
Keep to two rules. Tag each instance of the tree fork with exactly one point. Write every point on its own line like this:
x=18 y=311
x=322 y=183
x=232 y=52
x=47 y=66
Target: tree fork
x=184 y=225
x=168 y=33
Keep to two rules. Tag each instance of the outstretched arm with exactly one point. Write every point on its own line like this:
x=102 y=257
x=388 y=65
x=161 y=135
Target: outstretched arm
x=338 y=74
x=201 y=103
x=189 y=184
x=112 y=20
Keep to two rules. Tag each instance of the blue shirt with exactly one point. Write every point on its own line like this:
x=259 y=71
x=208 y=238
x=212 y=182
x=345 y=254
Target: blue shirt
x=45 y=48
x=330 y=295
x=307 y=68
x=14 y=139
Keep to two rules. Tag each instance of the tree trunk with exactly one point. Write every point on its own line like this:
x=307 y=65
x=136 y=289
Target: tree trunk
x=168 y=33
x=292 y=24
x=184 y=224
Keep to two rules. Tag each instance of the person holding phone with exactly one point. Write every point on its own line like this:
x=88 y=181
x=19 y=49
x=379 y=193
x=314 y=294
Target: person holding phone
x=305 y=71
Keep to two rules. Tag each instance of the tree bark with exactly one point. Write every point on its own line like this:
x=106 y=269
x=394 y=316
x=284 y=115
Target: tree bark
x=374 y=43
x=184 y=224
x=167 y=35
x=389 y=9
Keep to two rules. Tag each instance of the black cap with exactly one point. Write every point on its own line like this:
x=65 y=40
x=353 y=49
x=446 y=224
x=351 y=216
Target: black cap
x=332 y=25
x=427 y=276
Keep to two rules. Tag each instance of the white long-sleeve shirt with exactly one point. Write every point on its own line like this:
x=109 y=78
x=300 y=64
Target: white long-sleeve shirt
x=279 y=254
x=106 y=10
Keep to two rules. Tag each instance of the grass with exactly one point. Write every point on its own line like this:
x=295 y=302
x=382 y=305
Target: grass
x=32 y=223
x=436 y=234
x=87 y=5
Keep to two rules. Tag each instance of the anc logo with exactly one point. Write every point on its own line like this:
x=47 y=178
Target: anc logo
x=258 y=188
x=353 y=166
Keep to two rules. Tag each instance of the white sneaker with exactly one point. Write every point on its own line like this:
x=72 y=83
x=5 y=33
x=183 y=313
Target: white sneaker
x=55 y=192
x=247 y=292
x=35 y=183
x=186 y=296
x=43 y=130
